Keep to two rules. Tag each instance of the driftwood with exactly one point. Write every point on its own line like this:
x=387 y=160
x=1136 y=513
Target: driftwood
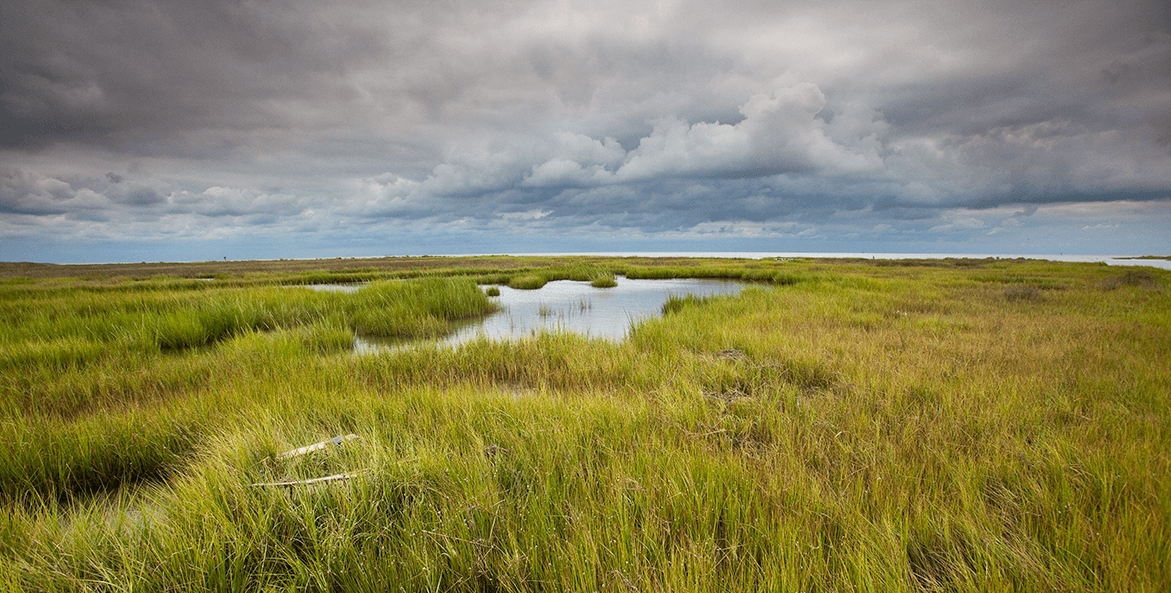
x=338 y=440
x=309 y=482
x=307 y=449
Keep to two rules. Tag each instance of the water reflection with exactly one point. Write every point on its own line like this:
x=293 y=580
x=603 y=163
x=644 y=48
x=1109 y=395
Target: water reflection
x=334 y=287
x=577 y=307
x=566 y=305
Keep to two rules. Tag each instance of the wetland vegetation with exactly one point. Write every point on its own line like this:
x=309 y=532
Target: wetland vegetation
x=861 y=425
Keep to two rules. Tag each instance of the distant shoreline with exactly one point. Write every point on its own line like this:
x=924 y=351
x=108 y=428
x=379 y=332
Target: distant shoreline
x=196 y=269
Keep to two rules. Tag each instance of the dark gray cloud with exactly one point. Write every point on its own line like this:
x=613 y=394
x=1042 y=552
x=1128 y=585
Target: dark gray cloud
x=885 y=120
x=132 y=72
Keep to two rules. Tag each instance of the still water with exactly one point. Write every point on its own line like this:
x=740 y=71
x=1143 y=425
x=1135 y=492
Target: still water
x=566 y=305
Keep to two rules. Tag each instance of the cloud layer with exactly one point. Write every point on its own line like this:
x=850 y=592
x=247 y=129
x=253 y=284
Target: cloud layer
x=541 y=125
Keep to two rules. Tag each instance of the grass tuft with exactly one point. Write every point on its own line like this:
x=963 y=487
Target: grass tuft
x=606 y=280
x=527 y=282
x=676 y=303
x=1136 y=278
x=1022 y=292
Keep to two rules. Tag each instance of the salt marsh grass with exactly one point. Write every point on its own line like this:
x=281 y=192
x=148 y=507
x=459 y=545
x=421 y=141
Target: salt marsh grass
x=1002 y=425
x=527 y=282
x=604 y=280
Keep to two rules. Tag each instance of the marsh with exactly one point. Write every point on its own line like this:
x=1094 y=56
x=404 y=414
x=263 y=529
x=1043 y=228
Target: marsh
x=571 y=306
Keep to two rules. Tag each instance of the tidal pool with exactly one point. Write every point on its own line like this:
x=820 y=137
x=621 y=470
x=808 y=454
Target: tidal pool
x=567 y=305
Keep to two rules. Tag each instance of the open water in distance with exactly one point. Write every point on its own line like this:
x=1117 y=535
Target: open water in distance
x=1113 y=260
x=566 y=305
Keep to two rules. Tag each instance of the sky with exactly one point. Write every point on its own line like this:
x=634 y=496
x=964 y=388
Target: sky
x=187 y=130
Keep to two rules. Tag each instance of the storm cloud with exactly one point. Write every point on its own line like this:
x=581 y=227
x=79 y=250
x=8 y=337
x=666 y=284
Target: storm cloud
x=297 y=129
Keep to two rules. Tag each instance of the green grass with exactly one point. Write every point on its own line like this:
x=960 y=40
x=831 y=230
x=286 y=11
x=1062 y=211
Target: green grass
x=527 y=282
x=676 y=303
x=990 y=425
x=604 y=280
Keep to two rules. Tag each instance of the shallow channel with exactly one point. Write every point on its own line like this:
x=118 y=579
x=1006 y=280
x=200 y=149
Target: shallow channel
x=567 y=305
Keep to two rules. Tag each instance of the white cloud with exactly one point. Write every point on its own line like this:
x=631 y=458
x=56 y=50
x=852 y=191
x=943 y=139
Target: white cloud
x=1005 y=225
x=958 y=224
x=779 y=133
x=526 y=215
